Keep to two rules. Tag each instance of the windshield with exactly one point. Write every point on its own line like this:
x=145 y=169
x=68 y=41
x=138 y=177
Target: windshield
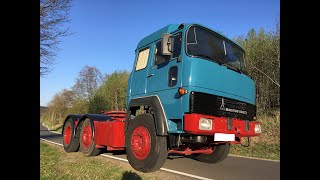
x=208 y=45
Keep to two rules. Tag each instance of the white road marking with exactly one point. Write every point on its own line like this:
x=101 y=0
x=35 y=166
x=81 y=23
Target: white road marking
x=164 y=169
x=55 y=132
x=254 y=158
x=228 y=154
x=185 y=174
x=51 y=142
x=121 y=159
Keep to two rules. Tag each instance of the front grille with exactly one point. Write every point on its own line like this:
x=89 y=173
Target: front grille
x=209 y=104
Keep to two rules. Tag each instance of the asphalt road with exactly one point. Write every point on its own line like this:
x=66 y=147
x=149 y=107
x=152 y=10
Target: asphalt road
x=232 y=167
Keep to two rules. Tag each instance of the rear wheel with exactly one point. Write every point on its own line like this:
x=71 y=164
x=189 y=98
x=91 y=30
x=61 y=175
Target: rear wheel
x=220 y=152
x=70 y=143
x=87 y=145
x=146 y=151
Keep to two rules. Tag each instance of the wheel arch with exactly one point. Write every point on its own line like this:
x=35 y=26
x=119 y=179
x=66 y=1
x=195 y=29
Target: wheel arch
x=160 y=119
x=73 y=117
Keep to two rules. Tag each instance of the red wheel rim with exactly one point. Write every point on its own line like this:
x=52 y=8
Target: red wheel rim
x=67 y=135
x=140 y=142
x=86 y=136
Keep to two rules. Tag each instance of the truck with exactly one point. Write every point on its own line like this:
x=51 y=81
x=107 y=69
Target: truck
x=189 y=93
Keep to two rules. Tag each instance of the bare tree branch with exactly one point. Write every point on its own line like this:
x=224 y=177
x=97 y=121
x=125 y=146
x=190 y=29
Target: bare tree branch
x=87 y=82
x=54 y=14
x=264 y=74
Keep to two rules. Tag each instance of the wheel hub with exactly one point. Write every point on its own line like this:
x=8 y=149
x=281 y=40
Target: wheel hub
x=141 y=142
x=67 y=135
x=86 y=136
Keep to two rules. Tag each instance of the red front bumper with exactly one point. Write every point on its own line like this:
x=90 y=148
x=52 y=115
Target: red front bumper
x=219 y=125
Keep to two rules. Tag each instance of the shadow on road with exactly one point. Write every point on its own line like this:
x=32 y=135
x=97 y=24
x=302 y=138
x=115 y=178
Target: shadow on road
x=128 y=175
x=172 y=156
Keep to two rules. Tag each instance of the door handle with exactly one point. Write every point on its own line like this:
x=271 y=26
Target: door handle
x=149 y=75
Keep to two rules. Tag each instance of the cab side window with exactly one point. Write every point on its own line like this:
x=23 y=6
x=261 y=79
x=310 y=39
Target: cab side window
x=158 y=57
x=177 y=45
x=142 y=59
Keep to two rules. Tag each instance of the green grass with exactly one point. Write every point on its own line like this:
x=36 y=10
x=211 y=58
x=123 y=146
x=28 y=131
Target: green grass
x=51 y=125
x=57 y=164
x=259 y=150
x=267 y=145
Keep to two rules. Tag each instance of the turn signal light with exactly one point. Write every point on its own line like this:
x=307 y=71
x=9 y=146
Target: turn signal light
x=182 y=91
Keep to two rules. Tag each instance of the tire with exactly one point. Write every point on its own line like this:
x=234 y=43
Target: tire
x=146 y=151
x=219 y=153
x=70 y=143
x=87 y=145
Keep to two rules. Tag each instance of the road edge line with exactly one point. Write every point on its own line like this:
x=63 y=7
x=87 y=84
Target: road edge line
x=185 y=174
x=51 y=142
x=233 y=155
x=55 y=132
x=254 y=158
x=163 y=169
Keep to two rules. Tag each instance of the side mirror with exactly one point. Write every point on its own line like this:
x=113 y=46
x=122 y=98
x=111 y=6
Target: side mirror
x=166 y=44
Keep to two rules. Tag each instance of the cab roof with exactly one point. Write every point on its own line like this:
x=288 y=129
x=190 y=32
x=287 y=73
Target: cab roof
x=157 y=35
x=170 y=29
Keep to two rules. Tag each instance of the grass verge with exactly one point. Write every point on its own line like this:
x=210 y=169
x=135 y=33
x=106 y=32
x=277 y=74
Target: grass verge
x=57 y=164
x=267 y=145
x=259 y=150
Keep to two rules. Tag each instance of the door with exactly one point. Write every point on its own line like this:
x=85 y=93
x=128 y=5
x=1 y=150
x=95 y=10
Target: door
x=138 y=82
x=165 y=79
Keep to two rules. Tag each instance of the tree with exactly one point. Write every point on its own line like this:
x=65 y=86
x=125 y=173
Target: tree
x=78 y=106
x=114 y=90
x=58 y=107
x=97 y=103
x=87 y=82
x=263 y=64
x=54 y=14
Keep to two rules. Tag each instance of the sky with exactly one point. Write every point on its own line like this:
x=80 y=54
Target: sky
x=106 y=33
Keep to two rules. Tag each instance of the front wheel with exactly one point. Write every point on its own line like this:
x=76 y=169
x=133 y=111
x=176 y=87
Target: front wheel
x=220 y=152
x=146 y=151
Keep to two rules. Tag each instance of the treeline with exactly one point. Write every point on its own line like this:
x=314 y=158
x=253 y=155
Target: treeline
x=92 y=93
x=263 y=65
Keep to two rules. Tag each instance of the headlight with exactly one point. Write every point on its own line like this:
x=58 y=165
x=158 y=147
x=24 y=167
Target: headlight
x=205 y=124
x=257 y=128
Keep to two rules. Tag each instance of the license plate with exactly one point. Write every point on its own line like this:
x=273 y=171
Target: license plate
x=224 y=137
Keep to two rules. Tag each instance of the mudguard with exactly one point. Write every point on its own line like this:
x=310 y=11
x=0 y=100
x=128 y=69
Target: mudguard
x=159 y=114
x=74 y=117
x=80 y=118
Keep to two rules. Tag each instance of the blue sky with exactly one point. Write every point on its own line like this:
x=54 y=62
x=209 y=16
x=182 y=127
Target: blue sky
x=106 y=32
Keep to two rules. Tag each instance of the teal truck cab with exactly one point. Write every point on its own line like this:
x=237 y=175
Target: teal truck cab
x=188 y=93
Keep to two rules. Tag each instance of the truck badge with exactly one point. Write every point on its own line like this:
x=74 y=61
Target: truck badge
x=222 y=104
